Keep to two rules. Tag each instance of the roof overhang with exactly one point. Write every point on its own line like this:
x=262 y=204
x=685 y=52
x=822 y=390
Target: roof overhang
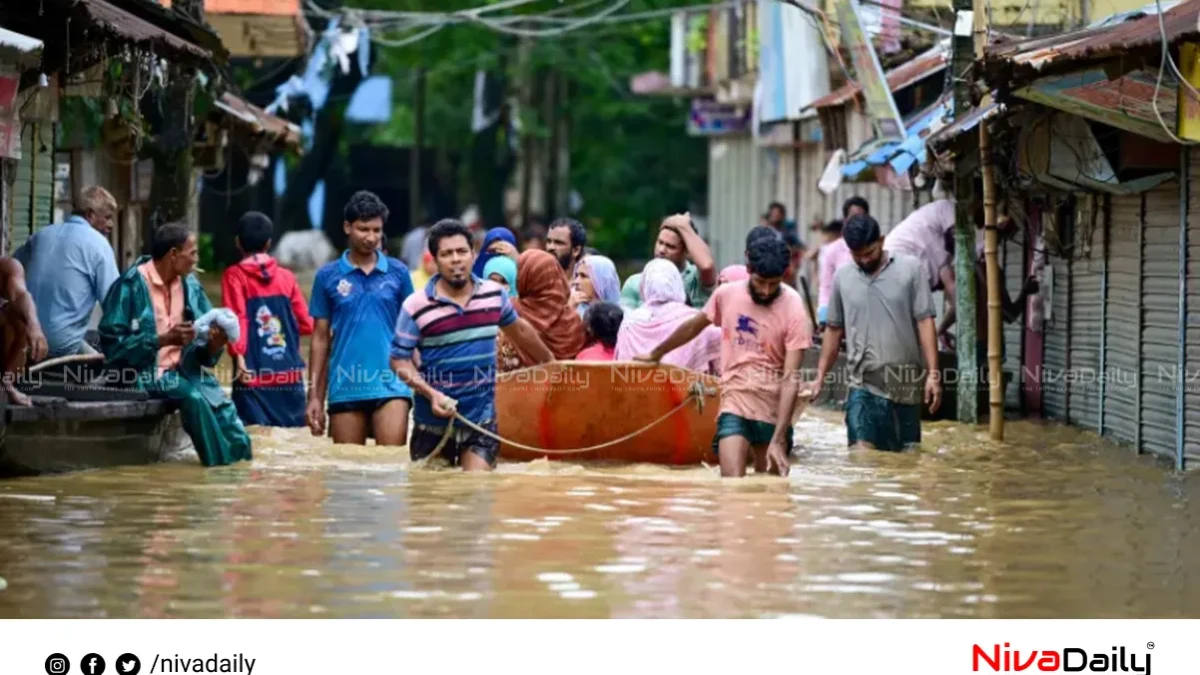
x=259 y=122
x=24 y=51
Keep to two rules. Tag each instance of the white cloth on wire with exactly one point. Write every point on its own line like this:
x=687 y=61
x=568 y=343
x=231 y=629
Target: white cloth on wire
x=225 y=318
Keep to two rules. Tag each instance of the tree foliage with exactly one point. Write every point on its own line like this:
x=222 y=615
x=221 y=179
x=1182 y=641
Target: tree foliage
x=631 y=160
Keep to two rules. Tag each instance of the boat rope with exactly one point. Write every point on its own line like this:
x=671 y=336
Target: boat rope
x=697 y=393
x=72 y=358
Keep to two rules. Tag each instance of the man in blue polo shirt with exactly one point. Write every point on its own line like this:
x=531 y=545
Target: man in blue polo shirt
x=359 y=297
x=454 y=322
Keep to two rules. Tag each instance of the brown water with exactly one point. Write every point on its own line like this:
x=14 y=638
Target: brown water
x=1057 y=524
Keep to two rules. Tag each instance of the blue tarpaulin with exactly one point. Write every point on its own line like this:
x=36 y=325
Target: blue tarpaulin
x=901 y=155
x=372 y=101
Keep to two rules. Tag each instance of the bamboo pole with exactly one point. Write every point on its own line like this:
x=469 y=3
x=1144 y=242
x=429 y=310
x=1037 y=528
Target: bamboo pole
x=991 y=241
x=995 y=319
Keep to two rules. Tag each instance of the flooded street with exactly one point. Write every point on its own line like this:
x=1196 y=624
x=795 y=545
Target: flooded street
x=1055 y=525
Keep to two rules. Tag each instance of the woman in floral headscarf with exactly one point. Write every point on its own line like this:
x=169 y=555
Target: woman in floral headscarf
x=542 y=295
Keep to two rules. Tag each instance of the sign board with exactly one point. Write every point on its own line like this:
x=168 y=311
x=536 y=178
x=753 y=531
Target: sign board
x=880 y=106
x=1189 y=106
x=710 y=118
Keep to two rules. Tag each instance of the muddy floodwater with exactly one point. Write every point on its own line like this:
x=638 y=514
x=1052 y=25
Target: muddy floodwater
x=1053 y=524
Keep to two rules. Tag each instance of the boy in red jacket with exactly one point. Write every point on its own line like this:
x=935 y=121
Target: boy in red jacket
x=268 y=386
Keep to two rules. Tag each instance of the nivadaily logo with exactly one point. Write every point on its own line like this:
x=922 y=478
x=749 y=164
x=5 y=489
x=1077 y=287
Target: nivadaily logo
x=1069 y=660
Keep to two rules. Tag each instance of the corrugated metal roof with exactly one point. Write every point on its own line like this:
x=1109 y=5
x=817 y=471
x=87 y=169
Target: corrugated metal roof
x=1100 y=42
x=901 y=155
x=136 y=29
x=260 y=7
x=258 y=119
x=967 y=123
x=922 y=66
x=24 y=50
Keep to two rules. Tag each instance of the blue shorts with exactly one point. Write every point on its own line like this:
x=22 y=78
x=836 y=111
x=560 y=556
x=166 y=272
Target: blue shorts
x=884 y=424
x=367 y=405
x=758 y=433
x=821 y=314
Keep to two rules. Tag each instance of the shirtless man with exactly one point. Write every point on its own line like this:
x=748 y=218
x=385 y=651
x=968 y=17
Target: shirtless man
x=21 y=337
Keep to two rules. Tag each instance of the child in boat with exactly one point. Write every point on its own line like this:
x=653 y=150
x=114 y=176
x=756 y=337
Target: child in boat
x=268 y=385
x=764 y=332
x=602 y=321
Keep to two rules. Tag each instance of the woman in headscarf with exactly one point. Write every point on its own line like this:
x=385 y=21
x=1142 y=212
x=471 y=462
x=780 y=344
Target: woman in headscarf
x=502 y=270
x=664 y=307
x=733 y=273
x=595 y=281
x=542 y=296
x=498 y=241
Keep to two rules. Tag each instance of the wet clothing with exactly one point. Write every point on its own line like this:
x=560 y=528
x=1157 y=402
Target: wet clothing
x=885 y=424
x=756 y=432
x=922 y=235
x=129 y=339
x=880 y=314
x=458 y=347
x=755 y=340
x=69 y=267
x=833 y=256
x=462 y=439
x=368 y=406
x=543 y=301
x=273 y=315
x=597 y=352
x=362 y=311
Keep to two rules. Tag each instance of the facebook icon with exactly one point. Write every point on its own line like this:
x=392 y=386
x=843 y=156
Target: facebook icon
x=92 y=664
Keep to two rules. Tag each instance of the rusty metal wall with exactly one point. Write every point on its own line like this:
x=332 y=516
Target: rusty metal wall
x=741 y=182
x=1121 y=336
x=1086 y=309
x=1160 y=319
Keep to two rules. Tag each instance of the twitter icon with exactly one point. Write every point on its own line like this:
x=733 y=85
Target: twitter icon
x=128 y=664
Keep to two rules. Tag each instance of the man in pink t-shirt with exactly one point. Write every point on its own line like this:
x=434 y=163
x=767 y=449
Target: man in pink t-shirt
x=764 y=332
x=834 y=254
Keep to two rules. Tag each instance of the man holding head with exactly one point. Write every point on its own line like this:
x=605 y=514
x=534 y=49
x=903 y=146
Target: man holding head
x=679 y=242
x=69 y=268
x=147 y=327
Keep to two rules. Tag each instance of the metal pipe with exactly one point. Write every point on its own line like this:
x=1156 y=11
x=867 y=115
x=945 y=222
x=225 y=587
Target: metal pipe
x=1181 y=355
x=1104 y=315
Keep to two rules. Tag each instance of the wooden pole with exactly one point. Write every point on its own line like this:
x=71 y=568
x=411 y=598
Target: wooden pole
x=991 y=241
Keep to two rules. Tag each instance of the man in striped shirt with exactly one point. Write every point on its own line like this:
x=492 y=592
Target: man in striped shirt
x=453 y=322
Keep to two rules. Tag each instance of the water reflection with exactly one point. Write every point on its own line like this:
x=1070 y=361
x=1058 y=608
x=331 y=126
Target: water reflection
x=1053 y=524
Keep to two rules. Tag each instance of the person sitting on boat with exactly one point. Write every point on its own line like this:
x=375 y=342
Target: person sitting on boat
x=765 y=330
x=596 y=280
x=147 y=326
x=69 y=268
x=22 y=336
x=565 y=239
x=679 y=242
x=664 y=309
x=453 y=322
x=268 y=384
x=541 y=300
x=732 y=273
x=498 y=242
x=502 y=270
x=603 y=323
x=355 y=301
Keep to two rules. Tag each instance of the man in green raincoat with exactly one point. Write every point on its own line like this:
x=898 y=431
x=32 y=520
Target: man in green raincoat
x=147 y=328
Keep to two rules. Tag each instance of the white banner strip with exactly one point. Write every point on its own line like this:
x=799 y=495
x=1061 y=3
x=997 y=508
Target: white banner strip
x=263 y=647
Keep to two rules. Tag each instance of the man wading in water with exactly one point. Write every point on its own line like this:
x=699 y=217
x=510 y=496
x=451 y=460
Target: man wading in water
x=883 y=306
x=355 y=301
x=764 y=332
x=453 y=323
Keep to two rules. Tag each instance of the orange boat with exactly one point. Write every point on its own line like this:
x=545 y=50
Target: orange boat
x=579 y=404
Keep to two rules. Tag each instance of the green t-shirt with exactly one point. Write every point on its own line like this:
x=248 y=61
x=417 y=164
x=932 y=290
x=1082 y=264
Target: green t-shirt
x=693 y=287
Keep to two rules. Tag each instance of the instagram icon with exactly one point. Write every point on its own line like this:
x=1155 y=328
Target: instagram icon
x=57 y=664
